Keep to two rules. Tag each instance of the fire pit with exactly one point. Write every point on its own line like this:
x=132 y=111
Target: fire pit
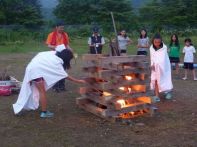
x=117 y=86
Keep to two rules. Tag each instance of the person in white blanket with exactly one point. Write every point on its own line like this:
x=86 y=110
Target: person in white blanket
x=160 y=68
x=44 y=70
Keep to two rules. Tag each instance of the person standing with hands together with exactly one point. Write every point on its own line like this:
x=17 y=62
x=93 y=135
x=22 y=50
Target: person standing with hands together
x=96 y=42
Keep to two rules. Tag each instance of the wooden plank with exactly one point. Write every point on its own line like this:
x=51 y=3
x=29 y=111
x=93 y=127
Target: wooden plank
x=123 y=59
x=89 y=92
x=91 y=108
x=112 y=85
x=120 y=66
x=91 y=57
x=86 y=91
x=100 y=100
x=81 y=101
x=130 y=102
x=113 y=113
x=104 y=72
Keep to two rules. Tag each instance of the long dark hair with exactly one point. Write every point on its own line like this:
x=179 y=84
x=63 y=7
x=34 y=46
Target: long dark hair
x=176 y=42
x=157 y=36
x=66 y=55
x=141 y=34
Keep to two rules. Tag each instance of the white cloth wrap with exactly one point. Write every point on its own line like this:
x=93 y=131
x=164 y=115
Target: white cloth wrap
x=162 y=73
x=46 y=65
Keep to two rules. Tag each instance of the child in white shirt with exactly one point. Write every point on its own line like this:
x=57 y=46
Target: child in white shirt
x=189 y=51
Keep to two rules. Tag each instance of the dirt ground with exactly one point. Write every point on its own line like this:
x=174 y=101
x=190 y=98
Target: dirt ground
x=174 y=125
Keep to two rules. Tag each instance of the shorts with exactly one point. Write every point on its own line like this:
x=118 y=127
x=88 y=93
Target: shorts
x=174 y=59
x=188 y=65
x=142 y=53
x=38 y=79
x=123 y=51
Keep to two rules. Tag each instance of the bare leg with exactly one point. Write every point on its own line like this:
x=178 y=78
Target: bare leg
x=41 y=88
x=194 y=74
x=177 y=68
x=156 y=89
x=185 y=77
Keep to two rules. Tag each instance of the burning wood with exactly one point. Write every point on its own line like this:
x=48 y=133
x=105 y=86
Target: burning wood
x=129 y=78
x=122 y=103
x=122 y=93
x=106 y=93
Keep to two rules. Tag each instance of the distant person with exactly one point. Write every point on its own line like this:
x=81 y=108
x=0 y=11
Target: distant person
x=143 y=43
x=96 y=42
x=160 y=68
x=58 y=37
x=174 y=52
x=189 y=51
x=54 y=39
x=44 y=70
x=123 y=42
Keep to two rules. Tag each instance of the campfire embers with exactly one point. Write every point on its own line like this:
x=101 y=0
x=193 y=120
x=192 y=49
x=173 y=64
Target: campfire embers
x=117 y=87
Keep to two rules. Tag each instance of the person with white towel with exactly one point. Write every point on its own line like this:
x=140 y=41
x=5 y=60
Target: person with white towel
x=161 y=80
x=43 y=71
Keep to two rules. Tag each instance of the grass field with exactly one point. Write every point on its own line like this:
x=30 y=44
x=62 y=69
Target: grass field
x=34 y=42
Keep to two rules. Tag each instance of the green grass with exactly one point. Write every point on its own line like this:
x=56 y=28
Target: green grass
x=78 y=44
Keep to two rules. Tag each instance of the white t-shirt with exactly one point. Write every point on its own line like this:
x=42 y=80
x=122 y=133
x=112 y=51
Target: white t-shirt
x=143 y=42
x=122 y=41
x=189 y=54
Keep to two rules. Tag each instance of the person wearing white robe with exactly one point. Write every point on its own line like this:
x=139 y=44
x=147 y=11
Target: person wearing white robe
x=44 y=70
x=161 y=70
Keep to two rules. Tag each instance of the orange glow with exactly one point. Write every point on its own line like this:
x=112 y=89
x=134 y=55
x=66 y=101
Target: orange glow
x=106 y=93
x=122 y=88
x=128 y=78
x=129 y=90
x=132 y=113
x=122 y=103
x=139 y=88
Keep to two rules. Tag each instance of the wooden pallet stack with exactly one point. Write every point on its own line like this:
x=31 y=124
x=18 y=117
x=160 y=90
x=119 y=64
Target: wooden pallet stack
x=117 y=86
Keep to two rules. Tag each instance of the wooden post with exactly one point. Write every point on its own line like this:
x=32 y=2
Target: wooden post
x=116 y=50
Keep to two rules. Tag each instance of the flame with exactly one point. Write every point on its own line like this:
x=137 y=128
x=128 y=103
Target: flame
x=122 y=88
x=129 y=78
x=106 y=93
x=129 y=89
x=122 y=103
x=132 y=113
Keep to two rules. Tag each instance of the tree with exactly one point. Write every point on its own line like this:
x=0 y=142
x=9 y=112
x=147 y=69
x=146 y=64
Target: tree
x=170 y=13
x=94 y=11
x=22 y=12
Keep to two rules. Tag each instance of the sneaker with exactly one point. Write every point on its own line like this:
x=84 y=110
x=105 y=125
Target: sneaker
x=195 y=79
x=155 y=99
x=46 y=114
x=168 y=96
x=154 y=108
x=185 y=78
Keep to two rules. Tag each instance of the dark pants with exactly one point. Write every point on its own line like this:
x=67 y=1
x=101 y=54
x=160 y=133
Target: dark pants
x=142 y=53
x=60 y=85
x=95 y=50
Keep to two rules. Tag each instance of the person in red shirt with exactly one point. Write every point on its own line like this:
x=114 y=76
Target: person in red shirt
x=55 y=38
x=58 y=37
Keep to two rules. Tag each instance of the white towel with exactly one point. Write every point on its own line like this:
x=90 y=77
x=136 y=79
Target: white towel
x=162 y=73
x=46 y=65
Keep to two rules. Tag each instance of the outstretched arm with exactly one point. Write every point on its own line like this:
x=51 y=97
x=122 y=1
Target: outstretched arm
x=75 y=80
